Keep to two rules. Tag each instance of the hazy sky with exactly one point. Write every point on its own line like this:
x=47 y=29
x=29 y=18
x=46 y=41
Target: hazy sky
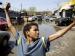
x=39 y=4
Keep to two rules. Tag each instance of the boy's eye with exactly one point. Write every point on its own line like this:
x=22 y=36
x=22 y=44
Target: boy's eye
x=36 y=30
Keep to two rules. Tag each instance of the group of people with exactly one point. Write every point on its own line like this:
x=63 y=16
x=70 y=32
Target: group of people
x=32 y=44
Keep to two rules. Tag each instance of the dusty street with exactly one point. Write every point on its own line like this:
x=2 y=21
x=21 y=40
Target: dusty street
x=63 y=46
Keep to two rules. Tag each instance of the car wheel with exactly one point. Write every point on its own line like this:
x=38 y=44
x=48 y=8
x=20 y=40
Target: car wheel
x=47 y=20
x=4 y=42
x=4 y=38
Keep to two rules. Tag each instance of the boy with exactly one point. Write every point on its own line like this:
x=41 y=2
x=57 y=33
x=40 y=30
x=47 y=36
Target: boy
x=32 y=44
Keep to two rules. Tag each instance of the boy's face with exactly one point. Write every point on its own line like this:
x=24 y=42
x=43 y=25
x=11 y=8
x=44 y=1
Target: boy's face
x=33 y=32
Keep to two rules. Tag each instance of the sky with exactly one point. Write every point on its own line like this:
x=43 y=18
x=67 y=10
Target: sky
x=40 y=5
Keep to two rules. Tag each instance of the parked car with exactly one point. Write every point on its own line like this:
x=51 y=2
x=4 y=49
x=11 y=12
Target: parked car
x=48 y=18
x=20 y=20
x=32 y=18
x=13 y=20
x=52 y=18
x=4 y=34
x=39 y=18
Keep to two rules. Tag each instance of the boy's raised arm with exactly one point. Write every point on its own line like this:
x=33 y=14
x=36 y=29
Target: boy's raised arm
x=11 y=27
x=61 y=32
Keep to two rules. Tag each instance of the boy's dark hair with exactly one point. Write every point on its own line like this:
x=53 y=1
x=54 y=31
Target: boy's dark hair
x=27 y=27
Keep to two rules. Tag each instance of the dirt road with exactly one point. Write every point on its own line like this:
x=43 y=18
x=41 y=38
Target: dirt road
x=64 y=46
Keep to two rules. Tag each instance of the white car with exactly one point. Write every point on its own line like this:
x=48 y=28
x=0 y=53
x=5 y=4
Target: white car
x=48 y=18
x=32 y=18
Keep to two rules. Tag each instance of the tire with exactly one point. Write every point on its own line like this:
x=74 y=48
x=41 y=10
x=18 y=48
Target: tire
x=4 y=38
x=47 y=20
x=5 y=42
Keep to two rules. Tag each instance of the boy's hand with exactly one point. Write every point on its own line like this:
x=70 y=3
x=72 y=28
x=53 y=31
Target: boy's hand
x=74 y=20
x=6 y=6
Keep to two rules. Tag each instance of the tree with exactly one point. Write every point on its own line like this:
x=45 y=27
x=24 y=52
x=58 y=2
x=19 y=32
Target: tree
x=32 y=10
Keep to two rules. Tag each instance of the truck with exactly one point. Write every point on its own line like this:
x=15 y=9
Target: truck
x=4 y=34
x=66 y=13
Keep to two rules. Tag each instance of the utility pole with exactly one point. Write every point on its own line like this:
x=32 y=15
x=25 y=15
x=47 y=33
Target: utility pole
x=21 y=7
